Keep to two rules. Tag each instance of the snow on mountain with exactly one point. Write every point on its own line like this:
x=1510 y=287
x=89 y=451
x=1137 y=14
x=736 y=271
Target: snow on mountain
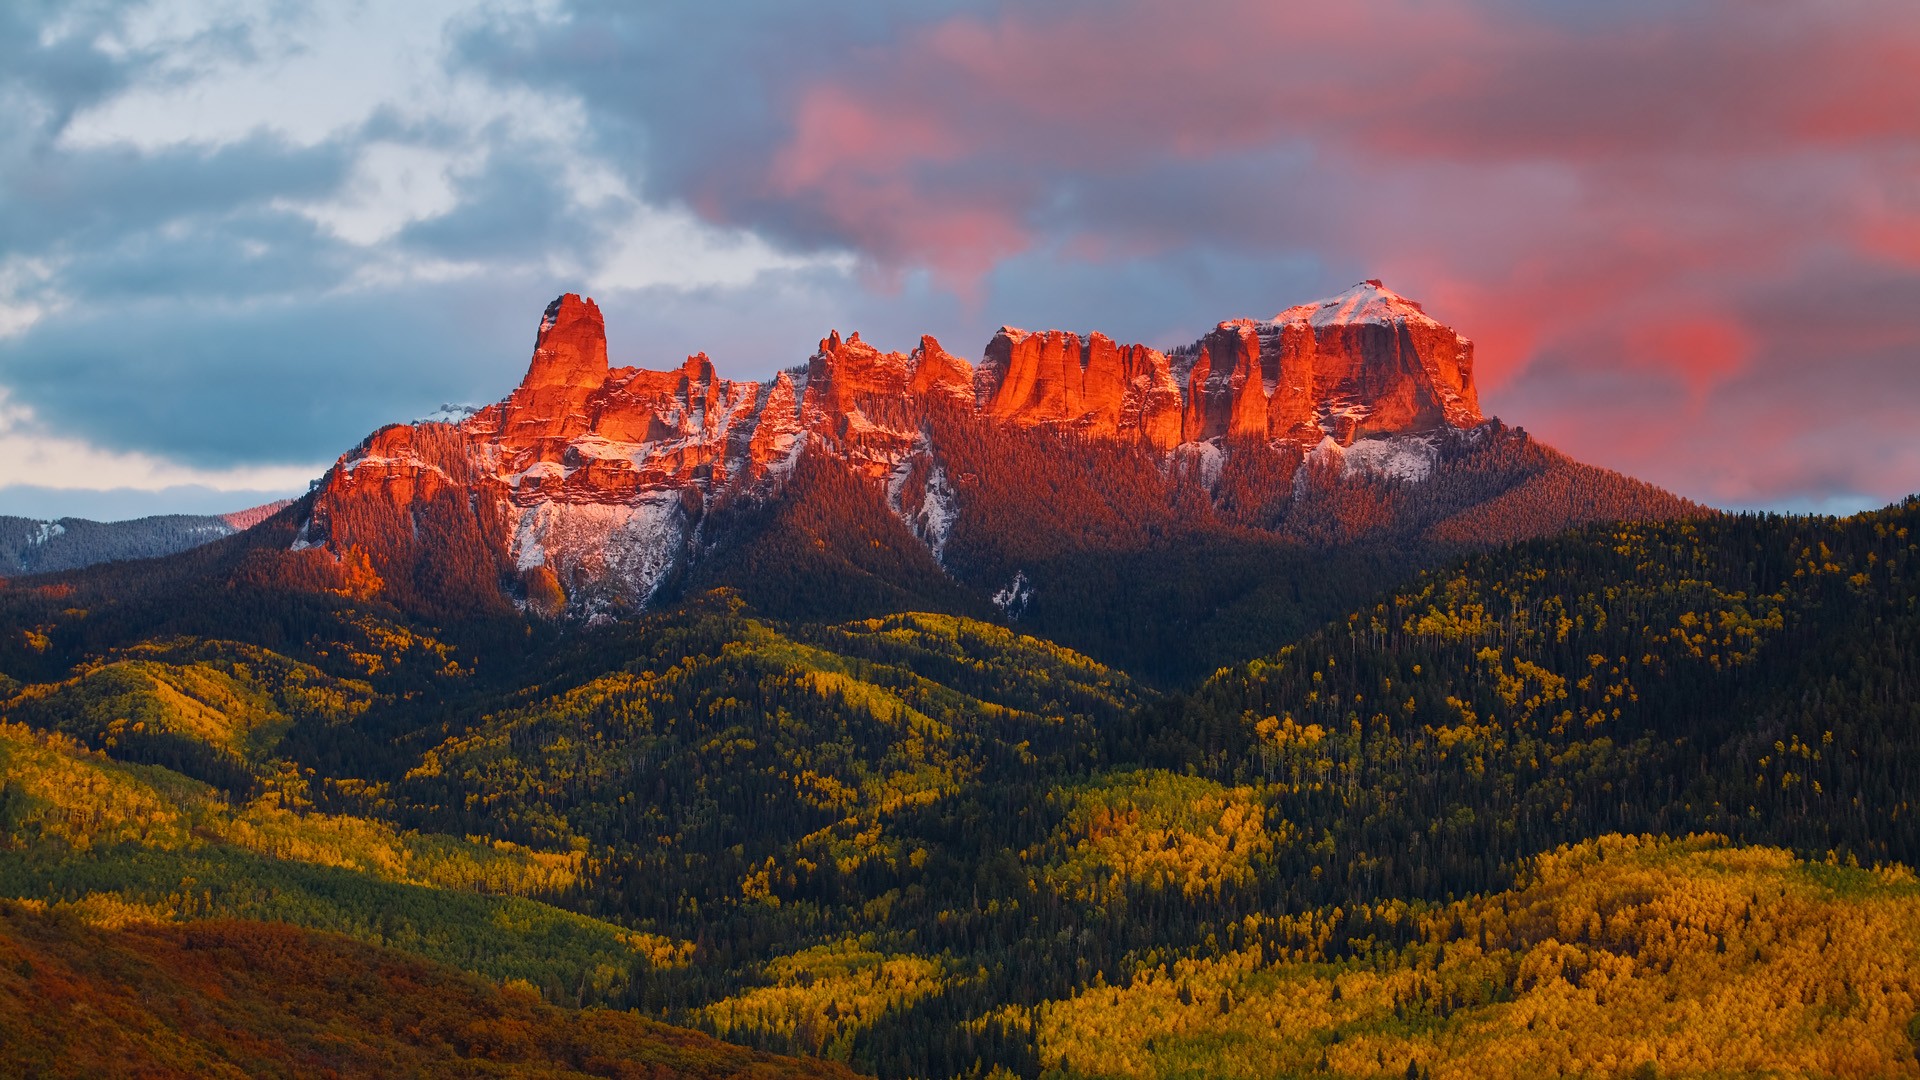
x=601 y=478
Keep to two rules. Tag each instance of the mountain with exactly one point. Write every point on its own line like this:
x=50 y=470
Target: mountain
x=981 y=722
x=30 y=546
x=1061 y=475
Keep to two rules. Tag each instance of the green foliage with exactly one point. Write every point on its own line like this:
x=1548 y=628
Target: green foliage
x=86 y=831
x=736 y=765
x=933 y=846
x=214 y=710
x=1155 y=831
x=820 y=998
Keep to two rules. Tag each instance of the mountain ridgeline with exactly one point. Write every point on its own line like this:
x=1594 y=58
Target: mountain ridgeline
x=1251 y=709
x=1223 y=496
x=31 y=546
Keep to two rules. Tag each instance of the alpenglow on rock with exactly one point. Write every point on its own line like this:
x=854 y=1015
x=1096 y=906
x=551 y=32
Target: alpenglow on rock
x=1366 y=362
x=588 y=487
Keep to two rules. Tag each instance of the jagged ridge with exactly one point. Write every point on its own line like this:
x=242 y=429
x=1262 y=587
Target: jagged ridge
x=592 y=487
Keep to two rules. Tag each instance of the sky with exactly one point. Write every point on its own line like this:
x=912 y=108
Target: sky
x=238 y=235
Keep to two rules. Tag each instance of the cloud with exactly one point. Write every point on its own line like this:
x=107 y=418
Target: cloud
x=238 y=231
x=1615 y=196
x=31 y=454
x=247 y=232
x=223 y=72
x=218 y=383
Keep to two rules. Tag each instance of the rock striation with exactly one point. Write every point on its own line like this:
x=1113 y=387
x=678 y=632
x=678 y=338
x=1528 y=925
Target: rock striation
x=593 y=482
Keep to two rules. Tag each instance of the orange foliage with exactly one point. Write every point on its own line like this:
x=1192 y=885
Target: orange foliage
x=236 y=999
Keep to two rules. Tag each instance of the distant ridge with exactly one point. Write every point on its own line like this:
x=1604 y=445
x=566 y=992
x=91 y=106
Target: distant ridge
x=254 y=515
x=34 y=546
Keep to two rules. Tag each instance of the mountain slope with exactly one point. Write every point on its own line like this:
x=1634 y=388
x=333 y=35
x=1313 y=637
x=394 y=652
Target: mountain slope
x=239 y=999
x=28 y=546
x=1621 y=956
x=1744 y=675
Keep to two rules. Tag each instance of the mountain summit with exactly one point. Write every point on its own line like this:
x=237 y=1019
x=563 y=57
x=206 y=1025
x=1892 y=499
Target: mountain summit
x=592 y=489
x=1366 y=362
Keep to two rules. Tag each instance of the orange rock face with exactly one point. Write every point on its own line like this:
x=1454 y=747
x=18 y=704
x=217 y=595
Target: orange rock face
x=1365 y=362
x=870 y=407
x=1089 y=384
x=1375 y=359
x=598 y=477
x=569 y=364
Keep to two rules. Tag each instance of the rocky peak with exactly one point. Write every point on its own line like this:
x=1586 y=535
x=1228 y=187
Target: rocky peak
x=938 y=373
x=852 y=375
x=601 y=476
x=571 y=348
x=1374 y=362
x=569 y=364
x=1367 y=302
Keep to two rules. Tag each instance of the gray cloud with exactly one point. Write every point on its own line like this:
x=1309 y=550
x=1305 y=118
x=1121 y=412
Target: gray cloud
x=281 y=381
x=75 y=198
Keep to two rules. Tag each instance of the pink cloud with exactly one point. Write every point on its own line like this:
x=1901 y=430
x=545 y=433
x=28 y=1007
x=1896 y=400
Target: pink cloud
x=1699 y=349
x=1619 y=190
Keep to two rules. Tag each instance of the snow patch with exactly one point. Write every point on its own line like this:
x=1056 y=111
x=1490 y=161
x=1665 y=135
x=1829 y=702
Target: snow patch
x=449 y=413
x=527 y=550
x=783 y=468
x=1012 y=600
x=47 y=531
x=613 y=554
x=939 y=505
x=539 y=470
x=600 y=448
x=1407 y=458
x=1367 y=302
x=1208 y=457
x=938 y=511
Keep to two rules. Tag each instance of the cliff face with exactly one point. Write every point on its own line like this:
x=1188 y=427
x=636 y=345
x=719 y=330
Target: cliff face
x=1089 y=384
x=592 y=483
x=1366 y=362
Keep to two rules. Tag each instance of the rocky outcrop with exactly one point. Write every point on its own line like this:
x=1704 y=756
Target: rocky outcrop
x=1366 y=362
x=1373 y=359
x=1088 y=384
x=598 y=479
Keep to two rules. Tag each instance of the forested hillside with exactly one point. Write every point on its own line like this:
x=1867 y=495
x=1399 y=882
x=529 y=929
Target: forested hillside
x=31 y=546
x=1747 y=675
x=1166 y=567
x=1637 y=778
x=244 y=999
